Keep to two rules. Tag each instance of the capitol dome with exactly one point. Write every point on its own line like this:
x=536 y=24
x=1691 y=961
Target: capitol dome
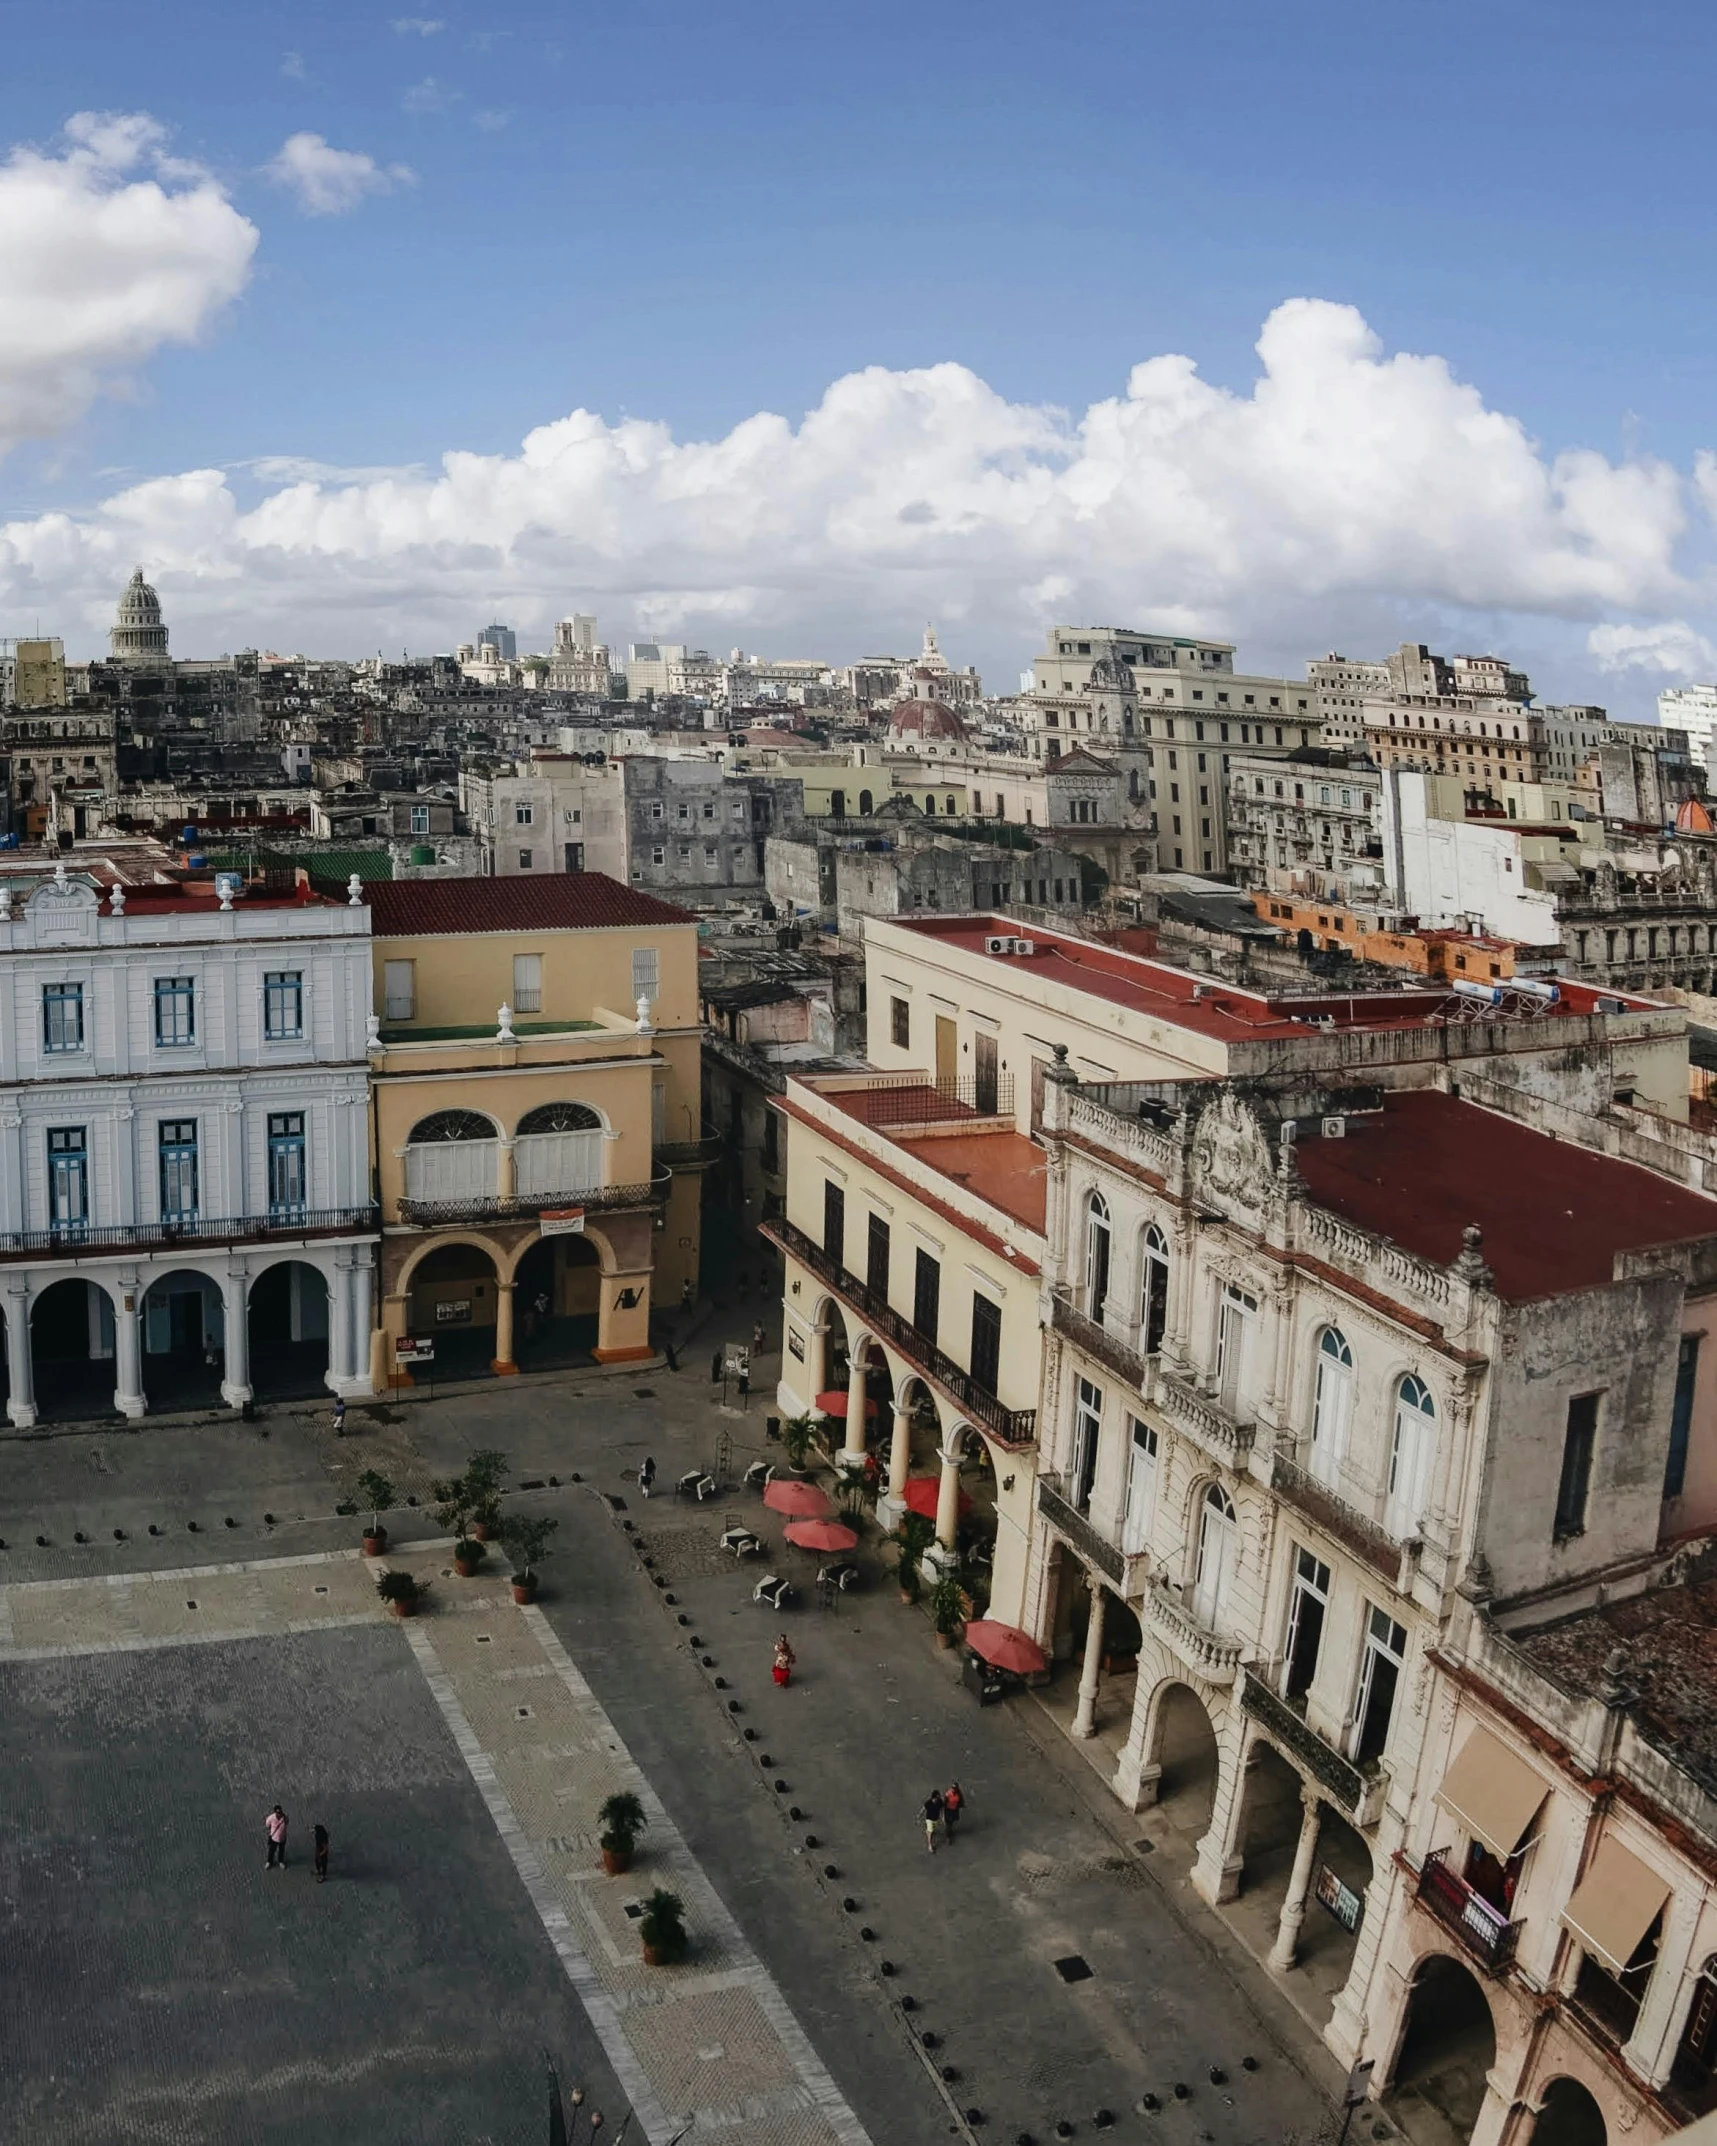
x=139 y=635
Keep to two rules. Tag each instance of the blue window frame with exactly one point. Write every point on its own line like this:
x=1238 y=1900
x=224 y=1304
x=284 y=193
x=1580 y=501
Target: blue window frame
x=175 y=1011
x=68 y=1177
x=286 y=1174
x=178 y=1137
x=282 y=1004
x=62 y=1017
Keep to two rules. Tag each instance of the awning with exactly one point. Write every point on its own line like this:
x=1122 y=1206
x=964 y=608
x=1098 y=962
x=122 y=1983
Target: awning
x=1493 y=1794
x=1614 y=1905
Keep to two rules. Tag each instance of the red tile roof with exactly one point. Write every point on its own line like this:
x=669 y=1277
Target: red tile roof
x=1554 y=1216
x=558 y=901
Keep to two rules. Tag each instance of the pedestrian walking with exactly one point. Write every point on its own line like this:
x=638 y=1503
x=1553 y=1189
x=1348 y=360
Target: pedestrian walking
x=758 y=1338
x=647 y=1475
x=688 y=1294
x=321 y=1840
x=784 y=1660
x=275 y=1827
x=339 y=1415
x=932 y=1815
x=953 y=1803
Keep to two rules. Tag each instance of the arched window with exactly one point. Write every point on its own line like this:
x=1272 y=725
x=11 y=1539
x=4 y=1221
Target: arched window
x=866 y=803
x=560 y=1118
x=1332 y=1404
x=930 y=805
x=1410 y=1457
x=451 y=1125
x=1154 y=1291
x=1218 y=1538
x=1096 y=1255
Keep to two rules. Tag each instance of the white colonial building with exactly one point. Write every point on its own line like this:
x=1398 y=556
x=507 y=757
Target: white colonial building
x=184 y=1153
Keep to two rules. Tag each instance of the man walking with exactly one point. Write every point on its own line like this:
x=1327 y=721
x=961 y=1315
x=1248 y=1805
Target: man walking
x=953 y=1803
x=275 y=1827
x=758 y=1338
x=320 y=1837
x=339 y=1415
x=933 y=1808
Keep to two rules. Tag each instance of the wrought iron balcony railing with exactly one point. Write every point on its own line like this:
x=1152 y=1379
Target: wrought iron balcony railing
x=1015 y=1427
x=1321 y=1760
x=1485 y=1931
x=74 y=1240
x=1068 y=1521
x=528 y=1207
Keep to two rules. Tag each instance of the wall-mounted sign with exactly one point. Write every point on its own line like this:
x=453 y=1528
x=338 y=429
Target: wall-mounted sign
x=795 y=1346
x=408 y=1351
x=453 y=1311
x=1341 y=1900
x=562 y=1222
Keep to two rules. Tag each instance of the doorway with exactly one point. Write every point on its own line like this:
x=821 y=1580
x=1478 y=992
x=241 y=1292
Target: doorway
x=947 y=1053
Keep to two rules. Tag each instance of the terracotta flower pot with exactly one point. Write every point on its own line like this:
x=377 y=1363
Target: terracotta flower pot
x=616 y=1861
x=405 y=1607
x=465 y=1569
x=944 y=1639
x=479 y=1531
x=524 y=1592
x=907 y=1597
x=655 y=1956
x=375 y=1541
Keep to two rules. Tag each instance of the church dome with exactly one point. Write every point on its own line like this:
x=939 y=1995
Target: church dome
x=1693 y=818
x=916 y=721
x=1110 y=675
x=139 y=633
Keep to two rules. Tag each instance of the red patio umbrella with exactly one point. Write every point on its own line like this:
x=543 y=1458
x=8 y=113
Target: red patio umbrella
x=1005 y=1646
x=800 y=1501
x=921 y=1494
x=834 y=1403
x=820 y=1535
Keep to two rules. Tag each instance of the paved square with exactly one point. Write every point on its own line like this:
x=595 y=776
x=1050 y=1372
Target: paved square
x=159 y=1985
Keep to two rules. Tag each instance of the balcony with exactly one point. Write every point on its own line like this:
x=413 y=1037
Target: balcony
x=1353 y=1790
x=1012 y=1427
x=1350 y=1527
x=1482 y=1930
x=1071 y=1524
x=1086 y=1333
x=80 y=1240
x=527 y=1207
x=689 y=1154
x=1224 y=1436
x=1207 y=1654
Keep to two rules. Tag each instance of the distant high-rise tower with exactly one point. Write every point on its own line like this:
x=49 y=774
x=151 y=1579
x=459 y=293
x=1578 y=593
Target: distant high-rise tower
x=139 y=635
x=503 y=640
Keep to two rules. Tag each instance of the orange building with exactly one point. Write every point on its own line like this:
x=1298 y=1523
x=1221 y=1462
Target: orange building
x=1443 y=956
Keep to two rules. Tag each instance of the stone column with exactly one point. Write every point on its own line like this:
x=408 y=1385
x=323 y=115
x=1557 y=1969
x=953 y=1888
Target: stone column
x=1299 y=1885
x=1091 y=1669
x=128 y=1396
x=817 y=1368
x=948 y=1502
x=21 y=1372
x=363 y=1316
x=235 y=1302
x=507 y=1170
x=853 y=1446
x=502 y=1360
x=1136 y=1783
x=899 y=1457
x=338 y=1285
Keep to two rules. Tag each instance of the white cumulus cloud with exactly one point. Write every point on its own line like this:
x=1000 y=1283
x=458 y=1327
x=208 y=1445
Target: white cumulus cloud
x=417 y=26
x=1347 y=485
x=327 y=181
x=1671 y=647
x=108 y=250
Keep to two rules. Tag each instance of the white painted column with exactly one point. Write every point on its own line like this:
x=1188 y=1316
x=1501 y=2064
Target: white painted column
x=852 y=1447
x=363 y=1319
x=339 y=1324
x=817 y=1368
x=1299 y=1886
x=899 y=1457
x=948 y=1501
x=20 y=1371
x=1135 y=1782
x=128 y=1395
x=1091 y=1669
x=235 y=1300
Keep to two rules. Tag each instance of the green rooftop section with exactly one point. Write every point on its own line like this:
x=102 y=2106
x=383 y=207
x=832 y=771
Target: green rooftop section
x=485 y=1032
x=333 y=865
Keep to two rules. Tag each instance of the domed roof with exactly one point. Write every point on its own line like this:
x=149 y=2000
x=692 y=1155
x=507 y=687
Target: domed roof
x=1693 y=818
x=925 y=719
x=139 y=632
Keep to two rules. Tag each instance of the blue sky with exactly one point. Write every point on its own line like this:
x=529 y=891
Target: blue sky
x=688 y=214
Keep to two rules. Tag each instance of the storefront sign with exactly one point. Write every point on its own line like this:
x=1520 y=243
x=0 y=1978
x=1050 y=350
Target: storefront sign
x=407 y=1351
x=454 y=1311
x=1341 y=1900
x=562 y=1222
x=795 y=1346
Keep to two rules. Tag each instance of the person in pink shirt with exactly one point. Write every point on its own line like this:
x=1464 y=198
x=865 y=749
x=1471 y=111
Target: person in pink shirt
x=275 y=1827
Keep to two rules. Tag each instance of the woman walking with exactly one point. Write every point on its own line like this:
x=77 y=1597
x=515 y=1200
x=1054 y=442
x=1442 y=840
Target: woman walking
x=784 y=1660
x=320 y=1836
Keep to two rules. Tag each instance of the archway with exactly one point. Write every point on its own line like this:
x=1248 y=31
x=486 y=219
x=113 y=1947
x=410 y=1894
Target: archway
x=184 y=1340
x=1569 y=2116
x=1187 y=1761
x=71 y=1350
x=557 y=1297
x=288 y=1312
x=1448 y=2045
x=452 y=1301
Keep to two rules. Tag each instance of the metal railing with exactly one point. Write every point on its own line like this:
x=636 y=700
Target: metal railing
x=1322 y=1761
x=72 y=1240
x=689 y=1154
x=1485 y=1931
x=1016 y=1427
x=1095 y=1339
x=528 y=1207
x=1068 y=1521
x=895 y=1102
x=1345 y=1522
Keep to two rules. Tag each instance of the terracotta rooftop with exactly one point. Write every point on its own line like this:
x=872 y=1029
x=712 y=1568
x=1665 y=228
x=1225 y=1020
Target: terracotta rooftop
x=1554 y=1216
x=1223 y=1010
x=1000 y=1165
x=558 y=901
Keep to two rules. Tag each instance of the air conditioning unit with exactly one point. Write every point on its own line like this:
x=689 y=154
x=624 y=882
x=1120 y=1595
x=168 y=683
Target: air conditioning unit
x=1025 y=946
x=1335 y=1128
x=997 y=945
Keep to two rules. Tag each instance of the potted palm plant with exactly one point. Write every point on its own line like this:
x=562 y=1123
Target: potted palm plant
x=622 y=1820
x=453 y=1512
x=663 y=1929
x=797 y=1433
x=377 y=1493
x=399 y=1591
x=911 y=1538
x=525 y=1537
x=948 y=1608
x=484 y=1472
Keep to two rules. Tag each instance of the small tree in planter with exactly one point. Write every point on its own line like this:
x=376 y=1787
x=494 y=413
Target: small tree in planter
x=377 y=1493
x=484 y=1472
x=797 y=1433
x=400 y=1592
x=622 y=1820
x=856 y=1492
x=663 y=1929
x=525 y=1537
x=453 y=1512
x=948 y=1604
x=911 y=1538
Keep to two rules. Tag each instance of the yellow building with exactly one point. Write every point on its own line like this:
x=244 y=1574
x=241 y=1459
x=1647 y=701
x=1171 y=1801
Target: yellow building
x=535 y=1118
x=913 y=1242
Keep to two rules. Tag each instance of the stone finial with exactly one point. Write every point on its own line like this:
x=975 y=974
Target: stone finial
x=645 y=1026
x=1059 y=1070
x=5 y=905
x=1477 y=1584
x=354 y=892
x=1614 y=1690
x=504 y=1032
x=116 y=901
x=59 y=871
x=1470 y=1262
x=372 y=1031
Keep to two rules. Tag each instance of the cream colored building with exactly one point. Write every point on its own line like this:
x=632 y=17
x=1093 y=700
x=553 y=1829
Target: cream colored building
x=537 y=1163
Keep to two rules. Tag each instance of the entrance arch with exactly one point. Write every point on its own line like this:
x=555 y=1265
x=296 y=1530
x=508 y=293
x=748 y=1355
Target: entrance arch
x=288 y=1315
x=71 y=1350
x=1183 y=1759
x=557 y=1301
x=1569 y=2116
x=452 y=1297
x=1448 y=2045
x=184 y=1340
